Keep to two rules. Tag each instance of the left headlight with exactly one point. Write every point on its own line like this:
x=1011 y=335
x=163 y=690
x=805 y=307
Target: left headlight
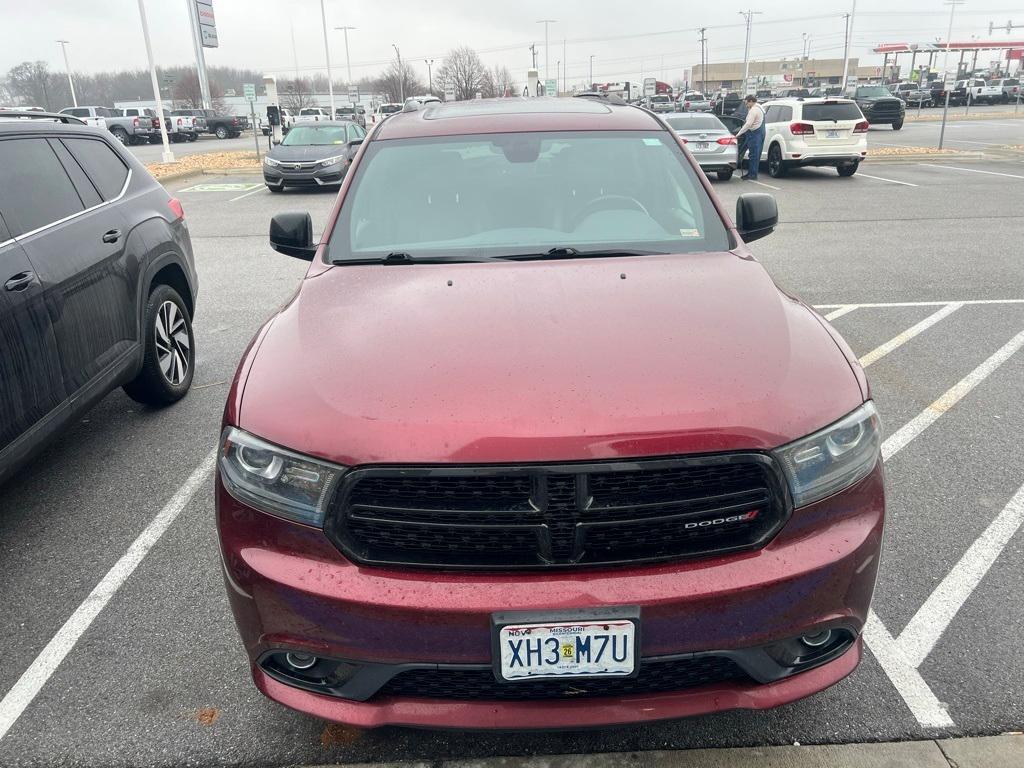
x=274 y=479
x=332 y=160
x=835 y=458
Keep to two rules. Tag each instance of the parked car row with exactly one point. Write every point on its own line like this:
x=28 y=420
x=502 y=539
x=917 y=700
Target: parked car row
x=137 y=125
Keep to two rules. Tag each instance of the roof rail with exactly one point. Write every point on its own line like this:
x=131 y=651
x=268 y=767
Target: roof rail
x=33 y=114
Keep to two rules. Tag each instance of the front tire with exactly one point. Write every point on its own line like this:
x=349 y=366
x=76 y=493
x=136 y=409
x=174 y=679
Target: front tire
x=193 y=136
x=221 y=132
x=898 y=124
x=169 y=356
x=725 y=175
x=776 y=166
x=847 y=170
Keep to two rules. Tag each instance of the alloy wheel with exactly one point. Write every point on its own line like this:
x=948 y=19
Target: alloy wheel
x=172 y=342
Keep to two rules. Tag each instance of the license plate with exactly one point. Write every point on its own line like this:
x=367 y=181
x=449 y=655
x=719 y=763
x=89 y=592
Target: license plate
x=601 y=647
x=702 y=144
x=831 y=134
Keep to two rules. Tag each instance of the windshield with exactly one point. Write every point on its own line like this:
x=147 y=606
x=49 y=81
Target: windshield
x=873 y=90
x=390 y=109
x=515 y=194
x=314 y=135
x=659 y=99
x=695 y=123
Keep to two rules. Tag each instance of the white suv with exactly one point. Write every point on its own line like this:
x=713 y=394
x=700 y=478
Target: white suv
x=814 y=132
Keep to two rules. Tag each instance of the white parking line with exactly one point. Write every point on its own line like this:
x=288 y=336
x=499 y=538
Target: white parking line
x=919 y=698
x=894 y=343
x=250 y=192
x=840 y=312
x=762 y=184
x=926 y=627
x=35 y=677
x=883 y=304
x=903 y=674
x=891 y=181
x=899 y=439
x=972 y=170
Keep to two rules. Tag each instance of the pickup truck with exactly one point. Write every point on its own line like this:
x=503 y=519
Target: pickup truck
x=1010 y=86
x=127 y=129
x=225 y=126
x=198 y=119
x=312 y=115
x=912 y=94
x=879 y=106
x=975 y=91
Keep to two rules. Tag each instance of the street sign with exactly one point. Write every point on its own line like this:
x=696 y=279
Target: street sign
x=449 y=93
x=169 y=79
x=550 y=87
x=207 y=23
x=479 y=95
x=353 y=95
x=249 y=91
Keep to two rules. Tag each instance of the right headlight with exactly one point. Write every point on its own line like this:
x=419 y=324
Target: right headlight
x=834 y=458
x=271 y=161
x=274 y=479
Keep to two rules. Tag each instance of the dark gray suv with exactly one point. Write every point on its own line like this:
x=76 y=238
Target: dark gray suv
x=98 y=280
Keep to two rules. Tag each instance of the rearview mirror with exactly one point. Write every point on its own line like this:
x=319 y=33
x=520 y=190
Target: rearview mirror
x=757 y=214
x=292 y=235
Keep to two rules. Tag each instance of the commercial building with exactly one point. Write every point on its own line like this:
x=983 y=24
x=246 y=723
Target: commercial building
x=778 y=73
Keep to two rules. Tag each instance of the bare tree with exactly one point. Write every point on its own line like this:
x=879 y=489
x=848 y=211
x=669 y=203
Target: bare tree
x=394 y=82
x=296 y=95
x=463 y=72
x=30 y=83
x=502 y=82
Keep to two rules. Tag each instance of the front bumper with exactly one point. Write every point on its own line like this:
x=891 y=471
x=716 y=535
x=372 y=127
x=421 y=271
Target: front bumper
x=314 y=177
x=291 y=589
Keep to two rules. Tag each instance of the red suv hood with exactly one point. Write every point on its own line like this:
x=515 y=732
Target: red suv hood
x=543 y=361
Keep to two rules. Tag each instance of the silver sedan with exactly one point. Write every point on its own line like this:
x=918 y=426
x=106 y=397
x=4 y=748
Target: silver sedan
x=712 y=144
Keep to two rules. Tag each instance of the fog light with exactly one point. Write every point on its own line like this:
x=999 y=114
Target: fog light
x=300 y=660
x=817 y=640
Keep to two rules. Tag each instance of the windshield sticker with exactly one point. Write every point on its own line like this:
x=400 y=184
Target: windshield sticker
x=652 y=142
x=689 y=233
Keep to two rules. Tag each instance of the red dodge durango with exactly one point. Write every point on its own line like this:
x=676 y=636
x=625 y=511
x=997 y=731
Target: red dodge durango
x=537 y=442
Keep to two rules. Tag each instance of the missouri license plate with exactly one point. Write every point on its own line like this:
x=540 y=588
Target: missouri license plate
x=831 y=134
x=702 y=145
x=582 y=648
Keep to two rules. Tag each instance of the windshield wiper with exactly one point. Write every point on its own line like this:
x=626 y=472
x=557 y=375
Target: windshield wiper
x=402 y=257
x=568 y=252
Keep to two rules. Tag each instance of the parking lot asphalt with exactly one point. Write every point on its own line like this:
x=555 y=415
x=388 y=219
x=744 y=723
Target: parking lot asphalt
x=961 y=133
x=919 y=267
x=151 y=153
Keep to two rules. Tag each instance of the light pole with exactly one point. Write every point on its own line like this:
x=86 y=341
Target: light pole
x=67 y=66
x=348 y=64
x=327 y=55
x=846 y=44
x=749 y=15
x=168 y=156
x=558 y=74
x=591 y=70
x=430 y=76
x=945 y=68
x=547 y=62
x=401 y=75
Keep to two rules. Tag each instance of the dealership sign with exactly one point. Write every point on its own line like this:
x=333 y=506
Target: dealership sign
x=207 y=23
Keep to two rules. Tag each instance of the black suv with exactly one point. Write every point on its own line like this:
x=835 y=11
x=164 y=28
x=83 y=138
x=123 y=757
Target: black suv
x=98 y=279
x=879 y=106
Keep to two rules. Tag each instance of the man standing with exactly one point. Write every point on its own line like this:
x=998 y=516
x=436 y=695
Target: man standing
x=753 y=133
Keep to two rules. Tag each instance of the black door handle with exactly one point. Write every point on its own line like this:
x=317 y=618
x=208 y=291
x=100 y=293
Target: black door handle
x=111 y=236
x=20 y=281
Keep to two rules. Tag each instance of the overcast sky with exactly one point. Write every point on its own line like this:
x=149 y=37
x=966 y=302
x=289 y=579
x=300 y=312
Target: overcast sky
x=623 y=36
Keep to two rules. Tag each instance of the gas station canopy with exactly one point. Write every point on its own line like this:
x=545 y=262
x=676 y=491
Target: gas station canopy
x=967 y=45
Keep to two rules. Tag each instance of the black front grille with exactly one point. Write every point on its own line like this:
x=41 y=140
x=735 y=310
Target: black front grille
x=655 y=676
x=550 y=516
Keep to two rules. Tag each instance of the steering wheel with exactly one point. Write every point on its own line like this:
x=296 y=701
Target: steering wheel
x=608 y=203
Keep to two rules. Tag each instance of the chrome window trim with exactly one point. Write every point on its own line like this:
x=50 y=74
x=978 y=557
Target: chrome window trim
x=37 y=230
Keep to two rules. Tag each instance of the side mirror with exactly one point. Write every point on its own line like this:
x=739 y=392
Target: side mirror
x=276 y=142
x=757 y=214
x=292 y=235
